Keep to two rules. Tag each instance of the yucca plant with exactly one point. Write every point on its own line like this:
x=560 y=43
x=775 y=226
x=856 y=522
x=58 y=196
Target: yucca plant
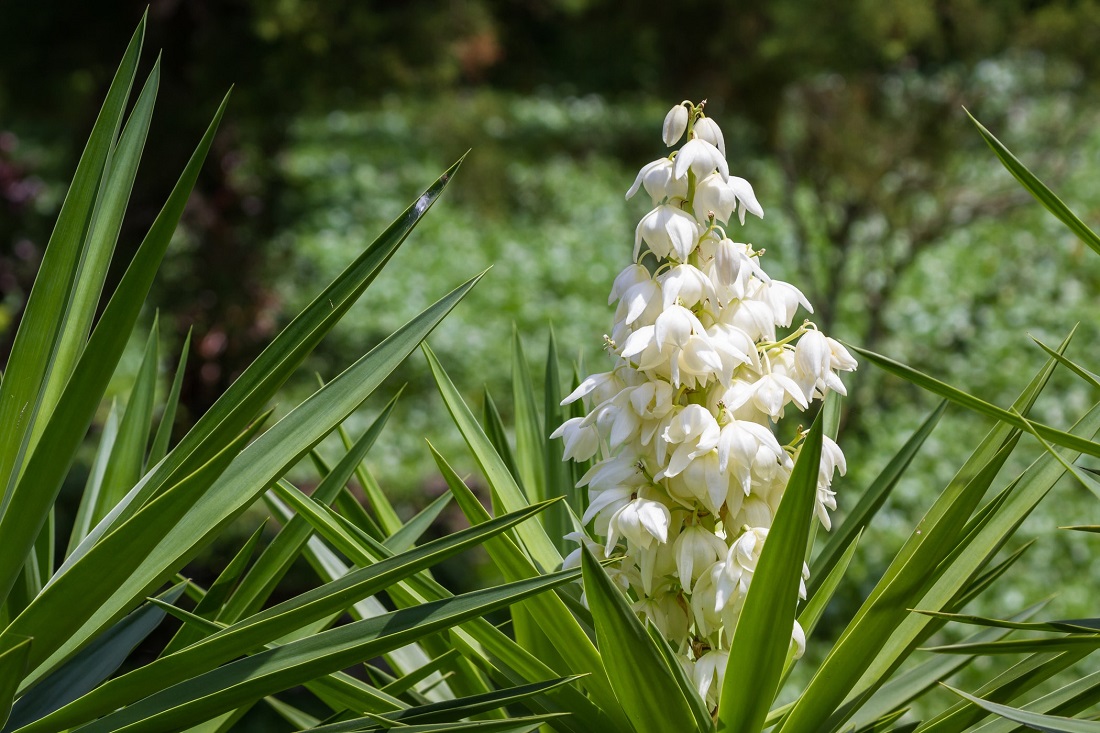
x=885 y=660
x=69 y=621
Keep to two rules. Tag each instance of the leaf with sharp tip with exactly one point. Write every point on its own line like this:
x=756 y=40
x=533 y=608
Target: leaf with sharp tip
x=95 y=260
x=698 y=707
x=1045 y=723
x=1038 y=189
x=1006 y=687
x=1068 y=626
x=257 y=585
x=169 y=531
x=41 y=321
x=128 y=453
x=573 y=645
x=1058 y=437
x=883 y=633
x=559 y=475
x=267 y=672
x=530 y=440
x=159 y=447
x=504 y=486
x=760 y=640
x=406 y=537
x=263 y=378
x=1077 y=369
x=1019 y=646
x=870 y=502
x=493 y=426
x=77 y=406
x=13 y=665
x=638 y=672
x=904 y=688
x=90 y=498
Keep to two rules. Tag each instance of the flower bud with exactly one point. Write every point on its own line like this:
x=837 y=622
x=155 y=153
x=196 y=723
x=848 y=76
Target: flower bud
x=676 y=122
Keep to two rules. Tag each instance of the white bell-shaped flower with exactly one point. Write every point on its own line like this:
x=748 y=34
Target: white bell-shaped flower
x=665 y=230
x=641 y=522
x=641 y=302
x=709 y=674
x=582 y=441
x=784 y=300
x=685 y=285
x=631 y=275
x=707 y=129
x=691 y=433
x=666 y=613
x=659 y=183
x=697 y=548
x=722 y=196
x=600 y=387
x=702 y=158
x=841 y=359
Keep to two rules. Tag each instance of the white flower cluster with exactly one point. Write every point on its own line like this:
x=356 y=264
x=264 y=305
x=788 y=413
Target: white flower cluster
x=687 y=471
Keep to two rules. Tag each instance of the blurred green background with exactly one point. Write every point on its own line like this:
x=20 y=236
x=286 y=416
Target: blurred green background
x=882 y=203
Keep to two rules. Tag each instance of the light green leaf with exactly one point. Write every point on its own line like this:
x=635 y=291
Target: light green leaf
x=90 y=498
x=452 y=710
x=638 y=672
x=1006 y=687
x=530 y=438
x=1065 y=626
x=493 y=425
x=505 y=488
x=904 y=688
x=703 y=721
x=573 y=646
x=406 y=537
x=873 y=637
x=760 y=639
x=257 y=585
x=13 y=665
x=1019 y=646
x=559 y=475
x=164 y=430
x=128 y=453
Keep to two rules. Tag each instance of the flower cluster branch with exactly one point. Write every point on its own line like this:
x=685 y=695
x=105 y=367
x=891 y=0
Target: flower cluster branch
x=687 y=467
